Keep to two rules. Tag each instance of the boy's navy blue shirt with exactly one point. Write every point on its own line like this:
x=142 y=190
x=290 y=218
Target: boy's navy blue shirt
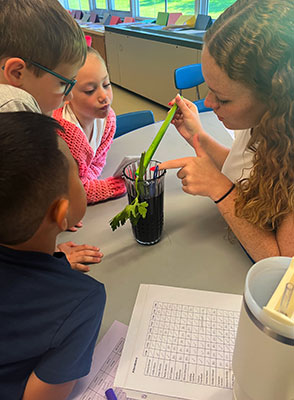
x=50 y=317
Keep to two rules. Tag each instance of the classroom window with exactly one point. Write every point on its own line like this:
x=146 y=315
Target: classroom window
x=122 y=5
x=216 y=7
x=101 y=4
x=187 y=7
x=150 y=8
x=79 y=5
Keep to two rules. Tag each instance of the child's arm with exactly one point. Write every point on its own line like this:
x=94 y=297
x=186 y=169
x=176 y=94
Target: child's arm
x=36 y=389
x=101 y=190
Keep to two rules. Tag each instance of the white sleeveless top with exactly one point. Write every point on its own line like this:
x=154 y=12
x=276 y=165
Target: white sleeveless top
x=239 y=161
x=98 y=129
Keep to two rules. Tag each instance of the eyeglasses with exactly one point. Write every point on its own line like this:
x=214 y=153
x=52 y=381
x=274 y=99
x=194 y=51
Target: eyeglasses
x=69 y=82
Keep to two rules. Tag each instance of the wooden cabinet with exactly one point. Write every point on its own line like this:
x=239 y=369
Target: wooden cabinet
x=98 y=41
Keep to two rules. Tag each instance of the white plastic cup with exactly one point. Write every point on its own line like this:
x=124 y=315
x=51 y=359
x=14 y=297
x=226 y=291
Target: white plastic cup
x=263 y=359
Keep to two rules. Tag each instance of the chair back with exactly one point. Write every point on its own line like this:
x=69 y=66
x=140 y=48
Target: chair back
x=188 y=76
x=130 y=121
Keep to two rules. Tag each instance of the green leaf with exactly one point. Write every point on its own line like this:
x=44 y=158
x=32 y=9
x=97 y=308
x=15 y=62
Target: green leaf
x=142 y=208
x=135 y=210
x=120 y=218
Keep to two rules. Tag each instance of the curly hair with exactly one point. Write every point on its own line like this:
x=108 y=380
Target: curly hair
x=253 y=42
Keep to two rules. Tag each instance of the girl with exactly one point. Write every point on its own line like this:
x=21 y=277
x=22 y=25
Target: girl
x=248 y=65
x=89 y=123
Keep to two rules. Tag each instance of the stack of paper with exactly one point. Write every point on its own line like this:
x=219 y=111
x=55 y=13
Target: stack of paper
x=179 y=344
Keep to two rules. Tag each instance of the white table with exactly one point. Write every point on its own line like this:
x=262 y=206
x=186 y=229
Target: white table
x=194 y=252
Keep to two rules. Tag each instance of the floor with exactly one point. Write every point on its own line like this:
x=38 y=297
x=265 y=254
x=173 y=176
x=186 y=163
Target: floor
x=125 y=101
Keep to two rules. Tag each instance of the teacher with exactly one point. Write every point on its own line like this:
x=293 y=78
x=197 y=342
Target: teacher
x=248 y=65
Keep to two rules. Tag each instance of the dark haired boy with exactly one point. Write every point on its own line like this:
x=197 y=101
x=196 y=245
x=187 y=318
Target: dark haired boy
x=50 y=314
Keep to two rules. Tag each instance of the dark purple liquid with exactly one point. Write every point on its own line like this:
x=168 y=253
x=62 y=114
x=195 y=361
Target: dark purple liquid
x=148 y=230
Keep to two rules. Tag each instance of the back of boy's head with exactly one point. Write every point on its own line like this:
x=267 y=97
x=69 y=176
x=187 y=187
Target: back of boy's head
x=33 y=173
x=41 y=31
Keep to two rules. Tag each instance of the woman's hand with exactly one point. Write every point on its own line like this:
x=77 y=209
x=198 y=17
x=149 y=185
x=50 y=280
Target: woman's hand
x=78 y=255
x=199 y=175
x=186 y=119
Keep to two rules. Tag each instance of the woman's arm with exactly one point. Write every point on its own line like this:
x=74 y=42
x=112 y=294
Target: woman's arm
x=257 y=242
x=36 y=389
x=217 y=152
x=200 y=176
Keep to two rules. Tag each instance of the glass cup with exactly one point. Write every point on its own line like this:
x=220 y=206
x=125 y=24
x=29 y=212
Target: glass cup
x=148 y=230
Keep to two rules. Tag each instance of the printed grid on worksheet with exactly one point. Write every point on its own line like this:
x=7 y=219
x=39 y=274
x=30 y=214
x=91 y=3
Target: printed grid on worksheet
x=191 y=344
x=104 y=378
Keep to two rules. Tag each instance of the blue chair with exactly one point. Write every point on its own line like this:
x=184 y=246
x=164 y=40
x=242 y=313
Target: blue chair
x=130 y=121
x=188 y=77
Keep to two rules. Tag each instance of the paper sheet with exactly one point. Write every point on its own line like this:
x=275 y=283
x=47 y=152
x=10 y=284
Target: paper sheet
x=180 y=343
x=104 y=365
x=124 y=162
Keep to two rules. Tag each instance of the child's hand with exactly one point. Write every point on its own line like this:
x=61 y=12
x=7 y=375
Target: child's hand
x=78 y=255
x=75 y=228
x=186 y=119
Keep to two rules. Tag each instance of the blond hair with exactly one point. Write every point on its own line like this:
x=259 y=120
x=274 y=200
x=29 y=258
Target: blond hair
x=253 y=42
x=91 y=50
x=41 y=31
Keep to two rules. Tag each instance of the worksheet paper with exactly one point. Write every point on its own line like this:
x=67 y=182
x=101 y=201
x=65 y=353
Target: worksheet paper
x=179 y=344
x=124 y=162
x=104 y=365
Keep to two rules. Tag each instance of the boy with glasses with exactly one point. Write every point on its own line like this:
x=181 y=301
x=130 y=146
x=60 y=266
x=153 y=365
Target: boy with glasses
x=41 y=50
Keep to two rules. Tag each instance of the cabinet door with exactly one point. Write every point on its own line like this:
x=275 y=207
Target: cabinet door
x=112 y=55
x=146 y=67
